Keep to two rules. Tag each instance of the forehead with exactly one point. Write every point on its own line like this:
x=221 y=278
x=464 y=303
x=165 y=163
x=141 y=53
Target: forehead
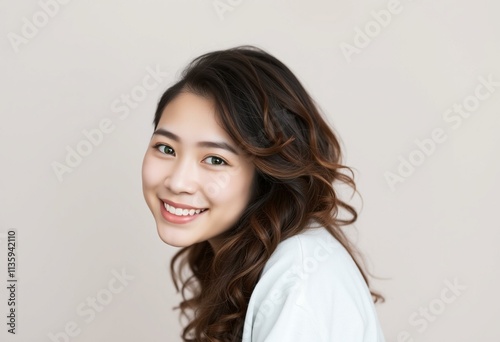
x=193 y=118
x=187 y=106
x=191 y=114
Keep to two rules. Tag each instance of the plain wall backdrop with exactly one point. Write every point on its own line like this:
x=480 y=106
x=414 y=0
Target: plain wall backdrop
x=411 y=87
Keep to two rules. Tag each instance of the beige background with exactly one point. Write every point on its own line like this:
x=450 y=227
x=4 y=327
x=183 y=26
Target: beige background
x=439 y=225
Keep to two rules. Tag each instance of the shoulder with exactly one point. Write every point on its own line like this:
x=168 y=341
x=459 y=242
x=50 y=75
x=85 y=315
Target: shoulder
x=312 y=282
x=315 y=263
x=314 y=253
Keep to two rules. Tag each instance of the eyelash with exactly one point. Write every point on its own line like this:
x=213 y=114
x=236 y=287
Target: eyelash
x=223 y=160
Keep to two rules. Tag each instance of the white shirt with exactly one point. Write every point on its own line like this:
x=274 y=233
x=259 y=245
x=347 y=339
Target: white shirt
x=311 y=291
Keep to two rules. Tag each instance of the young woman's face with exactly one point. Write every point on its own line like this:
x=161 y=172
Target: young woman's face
x=195 y=180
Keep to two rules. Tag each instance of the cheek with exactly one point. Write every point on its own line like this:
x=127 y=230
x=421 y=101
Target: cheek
x=228 y=189
x=151 y=172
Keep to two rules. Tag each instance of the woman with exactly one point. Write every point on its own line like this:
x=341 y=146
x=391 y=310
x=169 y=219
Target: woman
x=239 y=173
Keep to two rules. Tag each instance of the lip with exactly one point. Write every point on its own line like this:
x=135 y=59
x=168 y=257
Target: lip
x=178 y=219
x=180 y=206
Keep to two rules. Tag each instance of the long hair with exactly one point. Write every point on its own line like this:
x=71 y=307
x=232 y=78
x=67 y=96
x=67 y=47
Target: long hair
x=297 y=157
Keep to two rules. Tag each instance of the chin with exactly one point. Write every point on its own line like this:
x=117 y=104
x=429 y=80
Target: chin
x=173 y=240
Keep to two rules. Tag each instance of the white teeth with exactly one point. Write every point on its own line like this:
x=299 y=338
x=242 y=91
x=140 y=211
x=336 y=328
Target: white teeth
x=182 y=212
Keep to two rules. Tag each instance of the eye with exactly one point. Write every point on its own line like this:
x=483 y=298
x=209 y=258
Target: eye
x=163 y=147
x=216 y=160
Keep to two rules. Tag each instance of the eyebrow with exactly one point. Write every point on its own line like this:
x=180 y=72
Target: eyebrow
x=214 y=144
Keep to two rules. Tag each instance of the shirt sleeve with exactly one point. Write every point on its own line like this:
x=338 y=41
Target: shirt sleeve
x=313 y=291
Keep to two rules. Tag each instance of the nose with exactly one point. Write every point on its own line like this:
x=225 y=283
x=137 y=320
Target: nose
x=182 y=177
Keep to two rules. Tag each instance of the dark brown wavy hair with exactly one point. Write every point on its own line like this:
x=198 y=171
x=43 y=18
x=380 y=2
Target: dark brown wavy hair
x=268 y=113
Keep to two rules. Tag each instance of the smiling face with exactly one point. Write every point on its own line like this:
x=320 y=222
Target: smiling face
x=195 y=180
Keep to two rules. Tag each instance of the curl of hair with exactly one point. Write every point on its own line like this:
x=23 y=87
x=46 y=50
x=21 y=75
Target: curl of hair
x=268 y=113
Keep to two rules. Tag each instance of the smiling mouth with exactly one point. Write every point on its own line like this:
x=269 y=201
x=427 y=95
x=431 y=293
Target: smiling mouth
x=182 y=212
